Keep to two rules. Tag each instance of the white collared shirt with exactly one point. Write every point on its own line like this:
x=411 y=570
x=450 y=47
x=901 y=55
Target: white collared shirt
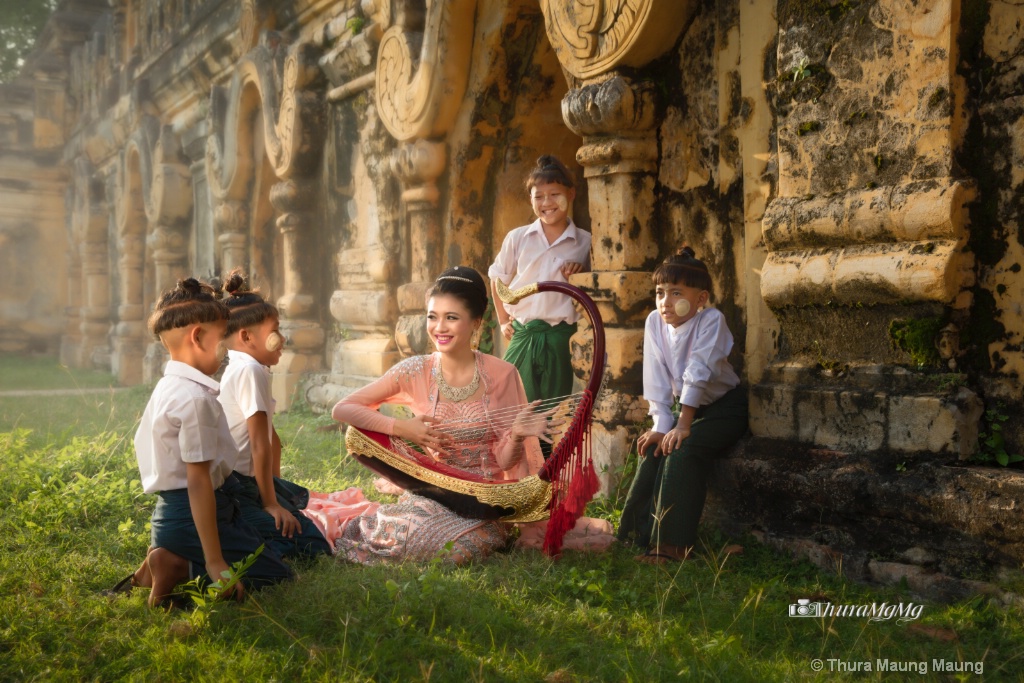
x=690 y=361
x=245 y=391
x=526 y=258
x=183 y=423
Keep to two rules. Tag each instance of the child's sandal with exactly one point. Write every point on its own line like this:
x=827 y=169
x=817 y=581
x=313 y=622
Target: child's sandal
x=122 y=587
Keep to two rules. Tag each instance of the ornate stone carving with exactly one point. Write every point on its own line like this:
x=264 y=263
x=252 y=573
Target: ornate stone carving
x=616 y=119
x=255 y=17
x=421 y=75
x=418 y=165
x=592 y=37
x=292 y=120
x=152 y=159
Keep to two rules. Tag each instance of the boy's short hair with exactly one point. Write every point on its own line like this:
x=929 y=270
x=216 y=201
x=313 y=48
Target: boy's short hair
x=247 y=306
x=191 y=302
x=683 y=268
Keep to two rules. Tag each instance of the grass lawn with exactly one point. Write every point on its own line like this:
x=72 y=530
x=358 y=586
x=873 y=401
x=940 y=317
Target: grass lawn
x=74 y=521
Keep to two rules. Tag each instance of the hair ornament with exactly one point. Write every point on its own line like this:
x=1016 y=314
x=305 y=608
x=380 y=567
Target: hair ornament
x=456 y=277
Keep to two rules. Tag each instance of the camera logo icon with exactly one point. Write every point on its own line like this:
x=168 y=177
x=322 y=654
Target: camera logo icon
x=805 y=608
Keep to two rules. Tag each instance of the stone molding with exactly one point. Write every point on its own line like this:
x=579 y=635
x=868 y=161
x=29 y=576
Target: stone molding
x=914 y=211
x=936 y=270
x=593 y=37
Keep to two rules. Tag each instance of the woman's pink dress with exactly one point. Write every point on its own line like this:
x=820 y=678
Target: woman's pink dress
x=418 y=528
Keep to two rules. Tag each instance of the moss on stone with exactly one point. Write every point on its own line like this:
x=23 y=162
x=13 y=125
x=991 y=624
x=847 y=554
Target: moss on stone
x=808 y=127
x=916 y=337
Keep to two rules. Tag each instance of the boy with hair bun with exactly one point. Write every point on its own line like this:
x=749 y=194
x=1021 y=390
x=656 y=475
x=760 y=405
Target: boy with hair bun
x=267 y=502
x=550 y=249
x=186 y=455
x=686 y=364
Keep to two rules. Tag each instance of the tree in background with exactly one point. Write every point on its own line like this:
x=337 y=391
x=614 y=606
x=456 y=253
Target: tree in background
x=20 y=24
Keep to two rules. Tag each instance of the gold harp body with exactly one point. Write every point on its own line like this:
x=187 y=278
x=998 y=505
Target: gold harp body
x=527 y=498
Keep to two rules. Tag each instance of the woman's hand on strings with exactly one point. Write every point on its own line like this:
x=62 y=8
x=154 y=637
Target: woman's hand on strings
x=530 y=422
x=421 y=430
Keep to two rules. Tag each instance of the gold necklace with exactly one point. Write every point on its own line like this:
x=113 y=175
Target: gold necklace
x=457 y=394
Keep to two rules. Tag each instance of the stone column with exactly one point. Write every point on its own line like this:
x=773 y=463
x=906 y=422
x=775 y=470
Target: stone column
x=291 y=198
x=868 y=262
x=71 y=343
x=231 y=219
x=418 y=165
x=167 y=249
x=616 y=119
x=95 y=310
x=130 y=334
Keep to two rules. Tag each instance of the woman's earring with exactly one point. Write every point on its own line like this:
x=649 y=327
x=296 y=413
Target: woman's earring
x=474 y=341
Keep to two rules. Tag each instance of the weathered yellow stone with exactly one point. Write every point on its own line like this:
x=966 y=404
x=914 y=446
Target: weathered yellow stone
x=363 y=308
x=935 y=424
x=367 y=358
x=622 y=297
x=909 y=213
x=923 y=271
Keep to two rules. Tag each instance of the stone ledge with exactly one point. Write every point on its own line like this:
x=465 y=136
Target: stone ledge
x=863 y=420
x=847 y=510
x=920 y=580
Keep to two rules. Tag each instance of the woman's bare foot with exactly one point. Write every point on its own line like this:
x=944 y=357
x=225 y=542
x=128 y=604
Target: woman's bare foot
x=166 y=571
x=664 y=553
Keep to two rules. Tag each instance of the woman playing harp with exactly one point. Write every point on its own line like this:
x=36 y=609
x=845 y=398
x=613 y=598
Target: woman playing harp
x=471 y=414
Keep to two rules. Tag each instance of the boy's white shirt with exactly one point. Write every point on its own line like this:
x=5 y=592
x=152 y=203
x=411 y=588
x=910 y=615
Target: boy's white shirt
x=690 y=361
x=245 y=391
x=526 y=257
x=183 y=423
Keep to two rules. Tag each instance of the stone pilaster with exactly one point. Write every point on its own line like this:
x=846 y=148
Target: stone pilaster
x=305 y=337
x=616 y=119
x=130 y=334
x=95 y=310
x=232 y=221
x=71 y=341
x=418 y=165
x=866 y=264
x=167 y=249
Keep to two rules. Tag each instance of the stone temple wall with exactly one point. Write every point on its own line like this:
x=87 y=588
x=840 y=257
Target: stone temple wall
x=849 y=170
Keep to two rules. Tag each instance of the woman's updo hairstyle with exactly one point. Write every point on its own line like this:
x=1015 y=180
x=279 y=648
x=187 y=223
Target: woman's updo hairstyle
x=191 y=302
x=465 y=284
x=549 y=170
x=248 y=307
x=683 y=267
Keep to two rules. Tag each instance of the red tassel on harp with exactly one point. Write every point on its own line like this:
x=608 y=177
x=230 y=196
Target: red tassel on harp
x=570 y=469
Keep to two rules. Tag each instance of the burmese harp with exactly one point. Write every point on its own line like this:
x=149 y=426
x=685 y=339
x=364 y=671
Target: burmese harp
x=559 y=491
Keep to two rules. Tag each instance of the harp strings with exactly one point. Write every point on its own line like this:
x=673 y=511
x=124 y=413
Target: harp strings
x=469 y=429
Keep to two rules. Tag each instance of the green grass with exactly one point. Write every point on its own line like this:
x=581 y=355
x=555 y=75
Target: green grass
x=30 y=372
x=74 y=521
